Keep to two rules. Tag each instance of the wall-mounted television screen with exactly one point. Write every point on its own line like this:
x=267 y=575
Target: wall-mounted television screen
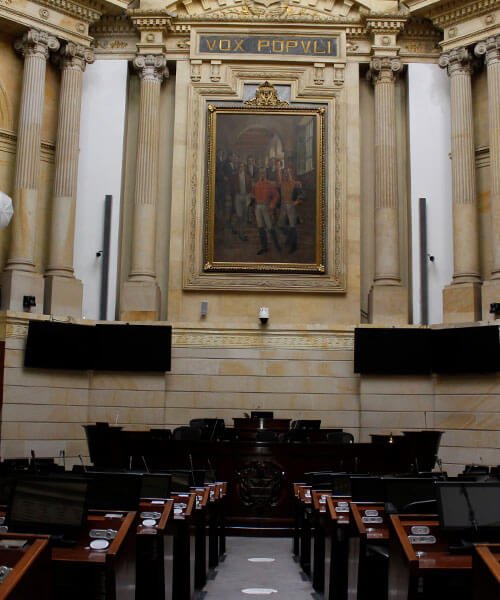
x=466 y=349
x=55 y=345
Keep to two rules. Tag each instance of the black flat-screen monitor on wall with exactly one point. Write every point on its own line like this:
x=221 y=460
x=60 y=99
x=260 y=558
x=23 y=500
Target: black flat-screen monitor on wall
x=466 y=349
x=55 y=345
x=392 y=351
x=122 y=347
x=103 y=347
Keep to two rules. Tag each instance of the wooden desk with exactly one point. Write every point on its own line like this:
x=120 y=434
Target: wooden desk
x=486 y=571
x=201 y=520
x=425 y=568
x=183 y=583
x=319 y=528
x=367 y=568
x=154 y=556
x=260 y=475
x=336 y=547
x=81 y=573
x=30 y=564
x=304 y=498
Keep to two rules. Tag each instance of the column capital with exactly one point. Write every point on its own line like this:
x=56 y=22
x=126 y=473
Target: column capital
x=75 y=56
x=151 y=67
x=36 y=42
x=458 y=61
x=384 y=69
x=490 y=49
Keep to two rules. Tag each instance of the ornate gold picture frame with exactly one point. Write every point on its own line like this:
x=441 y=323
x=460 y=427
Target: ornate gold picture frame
x=265 y=208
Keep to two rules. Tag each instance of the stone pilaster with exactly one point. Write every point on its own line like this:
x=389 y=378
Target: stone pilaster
x=462 y=299
x=63 y=292
x=140 y=295
x=21 y=277
x=388 y=297
x=490 y=49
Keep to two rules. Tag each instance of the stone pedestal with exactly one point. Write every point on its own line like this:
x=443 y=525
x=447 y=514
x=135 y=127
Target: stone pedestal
x=16 y=284
x=63 y=296
x=139 y=301
x=462 y=303
x=388 y=305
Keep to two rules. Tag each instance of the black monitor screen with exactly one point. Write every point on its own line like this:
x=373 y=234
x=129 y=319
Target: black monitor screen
x=133 y=347
x=466 y=350
x=54 y=345
x=181 y=481
x=53 y=506
x=369 y=488
x=392 y=351
x=410 y=494
x=156 y=485
x=469 y=505
x=114 y=490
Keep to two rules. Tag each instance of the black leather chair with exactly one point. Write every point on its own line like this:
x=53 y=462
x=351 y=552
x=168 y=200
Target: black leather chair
x=340 y=437
x=184 y=432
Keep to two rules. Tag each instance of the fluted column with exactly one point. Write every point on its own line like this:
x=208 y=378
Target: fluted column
x=140 y=297
x=389 y=298
x=63 y=292
x=21 y=277
x=462 y=297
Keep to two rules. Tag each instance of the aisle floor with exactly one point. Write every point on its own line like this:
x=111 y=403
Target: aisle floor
x=263 y=567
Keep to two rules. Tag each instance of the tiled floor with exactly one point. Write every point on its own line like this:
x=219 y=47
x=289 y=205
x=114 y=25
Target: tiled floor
x=276 y=575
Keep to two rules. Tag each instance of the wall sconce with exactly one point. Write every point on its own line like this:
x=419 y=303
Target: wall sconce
x=495 y=308
x=29 y=302
x=203 y=308
x=263 y=314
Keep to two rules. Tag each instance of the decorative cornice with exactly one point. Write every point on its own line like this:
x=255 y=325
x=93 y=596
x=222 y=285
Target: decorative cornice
x=325 y=340
x=451 y=12
x=111 y=24
x=89 y=12
x=150 y=20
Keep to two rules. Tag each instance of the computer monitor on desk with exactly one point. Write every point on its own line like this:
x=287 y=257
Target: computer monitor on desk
x=48 y=506
x=469 y=507
x=410 y=495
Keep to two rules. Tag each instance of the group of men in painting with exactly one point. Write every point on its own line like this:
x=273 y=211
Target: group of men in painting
x=270 y=194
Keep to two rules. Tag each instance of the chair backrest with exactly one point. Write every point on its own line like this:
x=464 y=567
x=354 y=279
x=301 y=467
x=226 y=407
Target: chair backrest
x=340 y=437
x=265 y=435
x=184 y=432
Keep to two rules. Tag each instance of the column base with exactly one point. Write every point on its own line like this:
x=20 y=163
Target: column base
x=489 y=294
x=140 y=301
x=388 y=305
x=17 y=284
x=63 y=296
x=462 y=303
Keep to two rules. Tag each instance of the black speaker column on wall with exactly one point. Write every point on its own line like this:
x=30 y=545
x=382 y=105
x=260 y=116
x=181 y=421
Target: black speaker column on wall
x=103 y=347
x=406 y=351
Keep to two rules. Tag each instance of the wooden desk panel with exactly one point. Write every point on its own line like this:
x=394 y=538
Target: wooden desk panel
x=486 y=571
x=81 y=573
x=30 y=574
x=427 y=567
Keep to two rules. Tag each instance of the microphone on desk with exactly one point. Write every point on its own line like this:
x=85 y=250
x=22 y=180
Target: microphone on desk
x=62 y=455
x=191 y=467
x=247 y=416
x=83 y=464
x=145 y=464
x=130 y=463
x=33 y=460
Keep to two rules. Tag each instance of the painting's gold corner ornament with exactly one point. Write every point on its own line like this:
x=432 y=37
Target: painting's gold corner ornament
x=266 y=96
x=211 y=108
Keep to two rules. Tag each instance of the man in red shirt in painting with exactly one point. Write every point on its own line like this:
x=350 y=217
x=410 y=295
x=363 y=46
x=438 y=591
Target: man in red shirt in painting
x=266 y=198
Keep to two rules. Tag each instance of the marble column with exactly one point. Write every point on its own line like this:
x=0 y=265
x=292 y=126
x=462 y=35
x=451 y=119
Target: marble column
x=140 y=294
x=63 y=292
x=21 y=277
x=462 y=299
x=490 y=49
x=388 y=296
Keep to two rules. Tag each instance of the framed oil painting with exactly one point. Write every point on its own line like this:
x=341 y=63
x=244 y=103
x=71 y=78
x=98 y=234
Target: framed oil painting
x=265 y=196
